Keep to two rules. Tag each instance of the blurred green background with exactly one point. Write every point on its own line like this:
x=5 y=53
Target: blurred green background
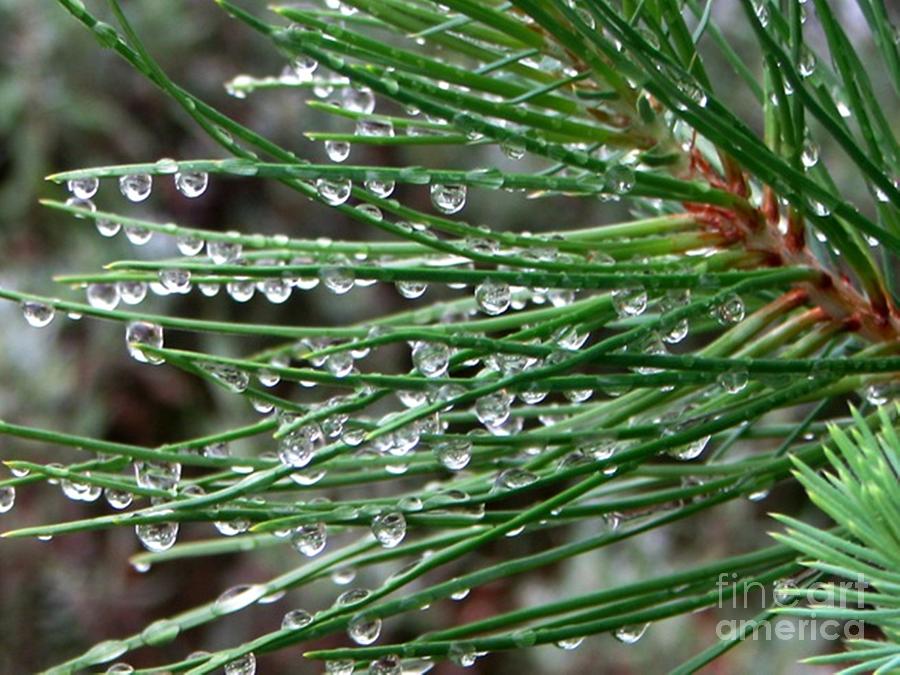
x=64 y=103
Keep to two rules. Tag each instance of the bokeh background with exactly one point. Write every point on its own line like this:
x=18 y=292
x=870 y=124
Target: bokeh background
x=64 y=103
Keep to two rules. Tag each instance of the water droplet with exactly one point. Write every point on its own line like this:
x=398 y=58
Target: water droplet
x=386 y=665
x=343 y=575
x=734 y=381
x=103 y=296
x=512 y=150
x=337 y=279
x=842 y=107
x=323 y=89
x=512 y=479
x=360 y=100
x=81 y=204
x=304 y=66
x=157 y=537
x=136 y=187
x=245 y=665
x=630 y=634
x=448 y=199
x=364 y=630
x=691 y=450
x=619 y=179
x=389 y=528
x=882 y=197
x=411 y=289
x=137 y=235
x=83 y=188
x=166 y=165
x=276 y=290
x=532 y=394
x=731 y=311
x=219 y=450
x=107 y=228
x=157 y=475
x=819 y=208
x=578 y=395
x=352 y=597
x=760 y=493
x=570 y=643
x=781 y=592
x=571 y=338
x=175 y=280
x=37 y=314
x=806 y=65
x=334 y=192
x=493 y=409
x=132 y=292
x=105 y=651
x=677 y=332
x=493 y=298
x=160 y=632
x=375 y=128
x=141 y=567
x=454 y=454
x=80 y=492
x=339 y=364
x=191 y=184
x=232 y=378
x=222 y=252
x=809 y=155
x=380 y=188
x=461 y=594
x=877 y=393
x=761 y=10
x=296 y=619
x=296 y=449
x=629 y=301
x=463 y=654
x=342 y=667
x=120 y=668
x=231 y=528
x=308 y=477
x=241 y=290
x=269 y=379
x=189 y=245
x=693 y=92
x=431 y=359
x=7 y=498
x=337 y=151
x=310 y=539
x=118 y=499
x=238 y=597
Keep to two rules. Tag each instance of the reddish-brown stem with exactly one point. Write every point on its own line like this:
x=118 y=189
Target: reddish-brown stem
x=795 y=239
x=875 y=319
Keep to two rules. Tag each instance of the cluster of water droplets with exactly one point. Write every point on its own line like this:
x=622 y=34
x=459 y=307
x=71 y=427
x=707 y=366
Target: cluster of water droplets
x=137 y=188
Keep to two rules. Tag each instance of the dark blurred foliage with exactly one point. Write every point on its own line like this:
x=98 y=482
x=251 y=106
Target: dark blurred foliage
x=65 y=102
